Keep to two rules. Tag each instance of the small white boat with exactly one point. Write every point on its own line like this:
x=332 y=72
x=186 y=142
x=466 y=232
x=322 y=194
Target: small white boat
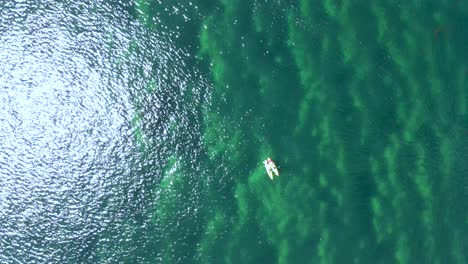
x=270 y=168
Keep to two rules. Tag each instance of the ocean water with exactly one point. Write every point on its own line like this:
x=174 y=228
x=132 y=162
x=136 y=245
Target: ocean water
x=135 y=131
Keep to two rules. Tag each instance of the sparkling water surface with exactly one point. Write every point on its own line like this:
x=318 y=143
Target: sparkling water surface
x=89 y=102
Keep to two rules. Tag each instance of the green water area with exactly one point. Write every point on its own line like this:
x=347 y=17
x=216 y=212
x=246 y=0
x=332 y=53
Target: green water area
x=135 y=131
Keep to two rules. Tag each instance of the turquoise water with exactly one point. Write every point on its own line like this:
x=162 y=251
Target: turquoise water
x=135 y=133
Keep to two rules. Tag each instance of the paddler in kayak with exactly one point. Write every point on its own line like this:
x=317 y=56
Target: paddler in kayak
x=270 y=168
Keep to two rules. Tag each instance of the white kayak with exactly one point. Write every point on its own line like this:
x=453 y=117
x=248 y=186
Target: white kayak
x=270 y=168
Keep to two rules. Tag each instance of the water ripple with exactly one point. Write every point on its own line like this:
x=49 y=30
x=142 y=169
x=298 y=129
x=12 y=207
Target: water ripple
x=89 y=100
